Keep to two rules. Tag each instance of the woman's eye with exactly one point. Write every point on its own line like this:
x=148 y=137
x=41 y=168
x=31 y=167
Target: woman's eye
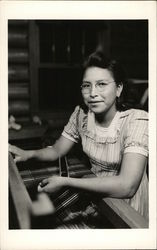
x=102 y=84
x=86 y=86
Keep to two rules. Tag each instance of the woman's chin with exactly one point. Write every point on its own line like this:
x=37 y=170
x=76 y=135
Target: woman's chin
x=97 y=110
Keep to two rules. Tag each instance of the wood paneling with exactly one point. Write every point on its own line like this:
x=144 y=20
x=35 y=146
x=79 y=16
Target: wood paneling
x=18 y=68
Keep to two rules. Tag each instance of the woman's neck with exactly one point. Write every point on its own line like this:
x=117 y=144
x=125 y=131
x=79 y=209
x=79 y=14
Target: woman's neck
x=105 y=120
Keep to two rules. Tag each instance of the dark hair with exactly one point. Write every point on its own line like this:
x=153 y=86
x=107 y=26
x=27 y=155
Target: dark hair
x=98 y=59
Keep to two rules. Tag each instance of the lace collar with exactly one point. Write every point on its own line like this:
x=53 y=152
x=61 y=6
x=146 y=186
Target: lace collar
x=89 y=129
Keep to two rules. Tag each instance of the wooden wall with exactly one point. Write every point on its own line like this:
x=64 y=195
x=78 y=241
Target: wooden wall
x=18 y=69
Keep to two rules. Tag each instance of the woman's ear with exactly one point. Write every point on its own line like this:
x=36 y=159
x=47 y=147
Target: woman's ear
x=119 y=89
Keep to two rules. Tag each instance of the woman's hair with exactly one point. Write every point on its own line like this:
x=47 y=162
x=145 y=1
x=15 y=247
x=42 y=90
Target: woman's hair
x=98 y=59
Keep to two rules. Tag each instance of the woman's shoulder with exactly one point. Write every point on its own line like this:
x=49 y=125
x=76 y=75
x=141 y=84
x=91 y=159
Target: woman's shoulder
x=79 y=114
x=79 y=110
x=134 y=114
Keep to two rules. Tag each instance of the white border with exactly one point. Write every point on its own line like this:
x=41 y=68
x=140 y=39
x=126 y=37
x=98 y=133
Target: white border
x=76 y=239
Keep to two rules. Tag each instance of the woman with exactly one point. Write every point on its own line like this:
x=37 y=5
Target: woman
x=115 y=141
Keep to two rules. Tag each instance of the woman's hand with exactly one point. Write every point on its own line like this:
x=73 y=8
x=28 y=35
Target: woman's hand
x=52 y=184
x=20 y=154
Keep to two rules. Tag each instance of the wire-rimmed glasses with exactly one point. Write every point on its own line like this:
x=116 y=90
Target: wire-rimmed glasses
x=100 y=86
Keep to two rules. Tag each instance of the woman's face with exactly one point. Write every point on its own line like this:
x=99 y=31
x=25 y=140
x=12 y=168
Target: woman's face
x=99 y=90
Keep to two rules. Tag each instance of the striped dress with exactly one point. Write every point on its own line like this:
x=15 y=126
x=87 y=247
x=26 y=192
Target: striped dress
x=128 y=132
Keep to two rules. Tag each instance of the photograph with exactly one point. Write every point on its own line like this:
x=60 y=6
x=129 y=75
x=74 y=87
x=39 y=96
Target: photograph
x=62 y=67
x=79 y=93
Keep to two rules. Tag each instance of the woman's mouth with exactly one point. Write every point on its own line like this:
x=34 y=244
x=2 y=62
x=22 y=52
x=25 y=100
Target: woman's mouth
x=94 y=102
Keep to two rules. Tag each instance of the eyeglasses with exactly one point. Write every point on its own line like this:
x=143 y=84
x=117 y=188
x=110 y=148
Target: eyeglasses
x=100 y=86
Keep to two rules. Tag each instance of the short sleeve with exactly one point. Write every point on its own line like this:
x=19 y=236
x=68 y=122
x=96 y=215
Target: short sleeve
x=71 y=131
x=136 y=136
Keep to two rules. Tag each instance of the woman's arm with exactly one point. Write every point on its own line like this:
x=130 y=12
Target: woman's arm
x=123 y=185
x=60 y=148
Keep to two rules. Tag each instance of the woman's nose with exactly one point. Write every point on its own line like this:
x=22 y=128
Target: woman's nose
x=93 y=92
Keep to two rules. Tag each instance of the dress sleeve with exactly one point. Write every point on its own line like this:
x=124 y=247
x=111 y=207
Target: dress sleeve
x=71 y=131
x=136 y=137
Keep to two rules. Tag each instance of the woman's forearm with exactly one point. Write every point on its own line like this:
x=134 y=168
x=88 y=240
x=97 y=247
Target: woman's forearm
x=107 y=186
x=60 y=148
x=45 y=154
x=119 y=186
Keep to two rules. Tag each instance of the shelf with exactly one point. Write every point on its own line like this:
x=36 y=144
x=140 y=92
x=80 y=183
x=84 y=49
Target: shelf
x=27 y=132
